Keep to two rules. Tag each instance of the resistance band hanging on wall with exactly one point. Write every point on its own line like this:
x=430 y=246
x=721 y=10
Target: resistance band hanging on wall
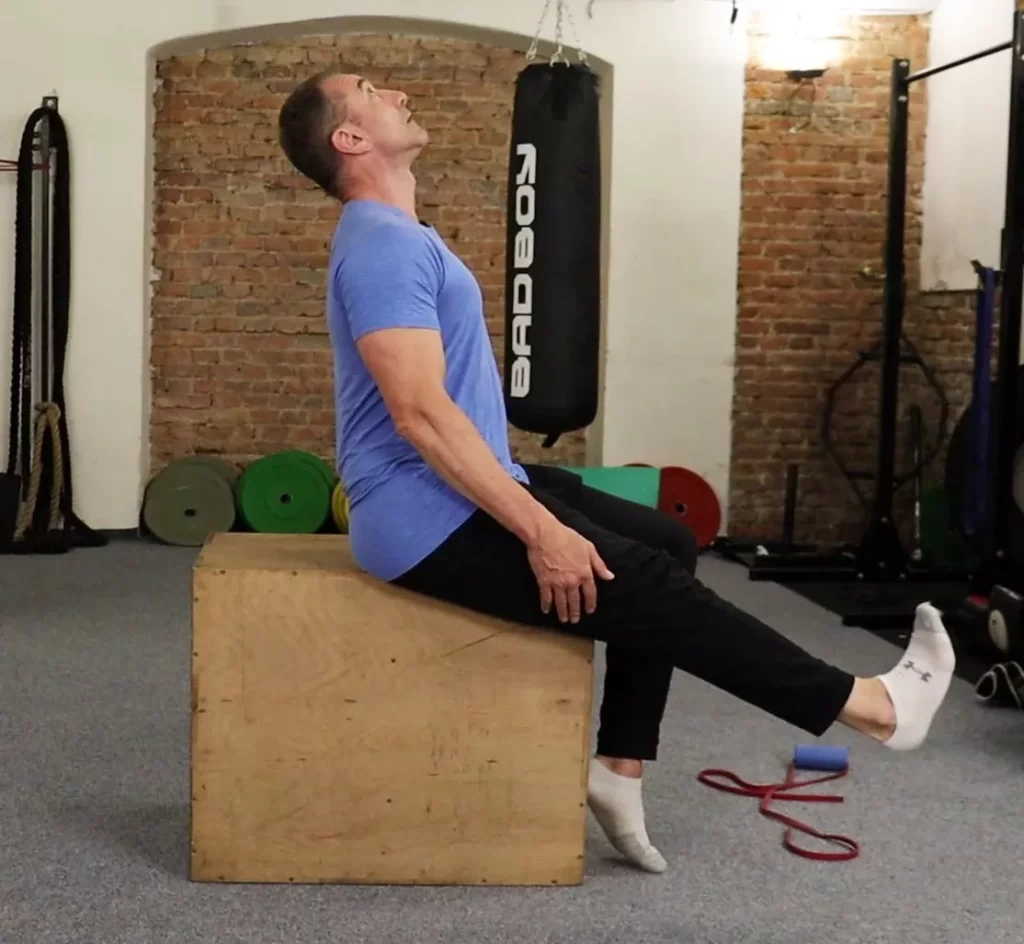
x=553 y=258
x=36 y=504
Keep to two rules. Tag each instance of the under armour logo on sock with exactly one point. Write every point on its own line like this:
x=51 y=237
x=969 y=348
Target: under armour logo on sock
x=925 y=676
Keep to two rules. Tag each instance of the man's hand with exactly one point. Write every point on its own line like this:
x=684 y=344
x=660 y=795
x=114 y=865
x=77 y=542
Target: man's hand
x=565 y=564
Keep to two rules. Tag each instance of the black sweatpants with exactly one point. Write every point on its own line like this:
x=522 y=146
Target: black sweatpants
x=655 y=616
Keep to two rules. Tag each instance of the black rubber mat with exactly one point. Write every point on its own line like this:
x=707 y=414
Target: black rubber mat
x=887 y=611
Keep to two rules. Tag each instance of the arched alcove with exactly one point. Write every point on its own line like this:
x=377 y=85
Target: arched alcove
x=240 y=362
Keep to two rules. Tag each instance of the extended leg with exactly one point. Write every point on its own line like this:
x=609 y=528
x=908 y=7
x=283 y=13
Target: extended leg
x=656 y=607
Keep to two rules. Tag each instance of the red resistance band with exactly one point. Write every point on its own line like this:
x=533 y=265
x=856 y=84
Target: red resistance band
x=772 y=792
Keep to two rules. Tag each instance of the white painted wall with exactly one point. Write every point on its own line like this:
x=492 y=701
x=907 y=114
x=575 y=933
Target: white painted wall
x=965 y=158
x=674 y=209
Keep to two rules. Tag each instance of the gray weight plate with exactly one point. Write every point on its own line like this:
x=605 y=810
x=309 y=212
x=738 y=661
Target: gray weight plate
x=187 y=502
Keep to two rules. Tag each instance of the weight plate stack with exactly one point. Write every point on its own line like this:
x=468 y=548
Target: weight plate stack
x=187 y=502
x=339 y=508
x=284 y=493
x=223 y=468
x=329 y=475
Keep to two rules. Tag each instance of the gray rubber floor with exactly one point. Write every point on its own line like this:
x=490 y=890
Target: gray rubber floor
x=94 y=725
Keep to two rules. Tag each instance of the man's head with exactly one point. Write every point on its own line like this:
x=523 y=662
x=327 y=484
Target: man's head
x=336 y=127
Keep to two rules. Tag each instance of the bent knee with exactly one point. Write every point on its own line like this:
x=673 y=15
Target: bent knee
x=682 y=545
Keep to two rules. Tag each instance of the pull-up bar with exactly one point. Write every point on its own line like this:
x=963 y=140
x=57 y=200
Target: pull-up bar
x=935 y=70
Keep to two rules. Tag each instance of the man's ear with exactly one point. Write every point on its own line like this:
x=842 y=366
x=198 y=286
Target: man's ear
x=349 y=139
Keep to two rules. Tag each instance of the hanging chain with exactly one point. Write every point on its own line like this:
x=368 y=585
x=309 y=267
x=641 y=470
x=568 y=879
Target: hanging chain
x=562 y=11
x=559 y=55
x=531 y=53
x=572 y=25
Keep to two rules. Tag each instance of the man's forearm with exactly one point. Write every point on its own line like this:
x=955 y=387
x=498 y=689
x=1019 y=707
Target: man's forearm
x=455 y=450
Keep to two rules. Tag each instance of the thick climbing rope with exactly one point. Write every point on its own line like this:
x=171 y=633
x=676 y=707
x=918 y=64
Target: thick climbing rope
x=47 y=420
x=51 y=469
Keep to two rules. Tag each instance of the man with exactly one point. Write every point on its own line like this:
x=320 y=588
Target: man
x=439 y=506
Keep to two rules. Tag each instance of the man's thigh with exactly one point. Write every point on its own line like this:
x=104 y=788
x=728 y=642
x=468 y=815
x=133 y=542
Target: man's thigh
x=649 y=526
x=486 y=568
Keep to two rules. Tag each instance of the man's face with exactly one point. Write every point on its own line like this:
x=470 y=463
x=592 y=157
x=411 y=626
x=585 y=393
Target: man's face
x=377 y=119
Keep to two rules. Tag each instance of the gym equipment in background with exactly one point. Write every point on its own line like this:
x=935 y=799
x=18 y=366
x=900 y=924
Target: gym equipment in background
x=340 y=508
x=834 y=761
x=886 y=582
x=678 y=492
x=639 y=484
x=969 y=493
x=36 y=500
x=287 y=492
x=553 y=262
x=688 y=497
x=909 y=355
x=989 y=616
x=189 y=500
x=975 y=505
x=1006 y=621
x=745 y=551
x=225 y=469
x=1002 y=686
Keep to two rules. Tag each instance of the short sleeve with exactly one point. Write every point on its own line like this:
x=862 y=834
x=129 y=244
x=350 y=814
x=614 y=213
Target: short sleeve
x=391 y=279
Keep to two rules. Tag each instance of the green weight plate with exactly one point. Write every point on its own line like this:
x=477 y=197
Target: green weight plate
x=640 y=484
x=284 y=494
x=223 y=468
x=329 y=475
x=186 y=503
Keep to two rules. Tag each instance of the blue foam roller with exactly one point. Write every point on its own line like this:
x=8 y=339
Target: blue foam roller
x=820 y=757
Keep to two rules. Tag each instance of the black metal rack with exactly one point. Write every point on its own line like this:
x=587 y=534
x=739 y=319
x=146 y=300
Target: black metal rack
x=880 y=558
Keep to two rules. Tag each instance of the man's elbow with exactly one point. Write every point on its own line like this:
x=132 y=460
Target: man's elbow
x=414 y=420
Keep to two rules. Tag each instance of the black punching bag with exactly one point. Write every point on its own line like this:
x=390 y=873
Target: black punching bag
x=553 y=254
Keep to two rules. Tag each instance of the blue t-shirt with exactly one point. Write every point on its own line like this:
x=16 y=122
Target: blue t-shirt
x=389 y=271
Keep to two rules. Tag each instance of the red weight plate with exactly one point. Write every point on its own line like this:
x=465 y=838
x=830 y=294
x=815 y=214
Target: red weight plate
x=686 y=496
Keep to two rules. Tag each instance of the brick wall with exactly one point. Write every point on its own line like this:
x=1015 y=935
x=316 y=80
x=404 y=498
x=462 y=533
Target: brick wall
x=810 y=294
x=241 y=364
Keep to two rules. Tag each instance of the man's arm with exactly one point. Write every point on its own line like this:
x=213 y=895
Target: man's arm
x=388 y=287
x=408 y=367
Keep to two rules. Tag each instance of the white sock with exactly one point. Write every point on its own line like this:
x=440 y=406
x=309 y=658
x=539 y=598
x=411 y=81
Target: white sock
x=618 y=806
x=918 y=685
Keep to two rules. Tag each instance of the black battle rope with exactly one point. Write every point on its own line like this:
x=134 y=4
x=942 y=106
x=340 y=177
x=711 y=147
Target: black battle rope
x=44 y=538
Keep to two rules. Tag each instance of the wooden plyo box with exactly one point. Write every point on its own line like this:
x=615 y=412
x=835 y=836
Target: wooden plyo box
x=347 y=731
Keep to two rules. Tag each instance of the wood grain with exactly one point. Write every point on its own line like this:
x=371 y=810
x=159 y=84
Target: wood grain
x=348 y=731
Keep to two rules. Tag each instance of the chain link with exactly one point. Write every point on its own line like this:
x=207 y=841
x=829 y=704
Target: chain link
x=531 y=53
x=562 y=12
x=559 y=55
x=579 y=46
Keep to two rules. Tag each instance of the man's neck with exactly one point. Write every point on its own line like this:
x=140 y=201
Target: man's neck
x=398 y=190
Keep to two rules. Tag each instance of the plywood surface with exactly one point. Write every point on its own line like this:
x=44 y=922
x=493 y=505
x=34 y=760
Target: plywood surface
x=344 y=730
x=288 y=552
